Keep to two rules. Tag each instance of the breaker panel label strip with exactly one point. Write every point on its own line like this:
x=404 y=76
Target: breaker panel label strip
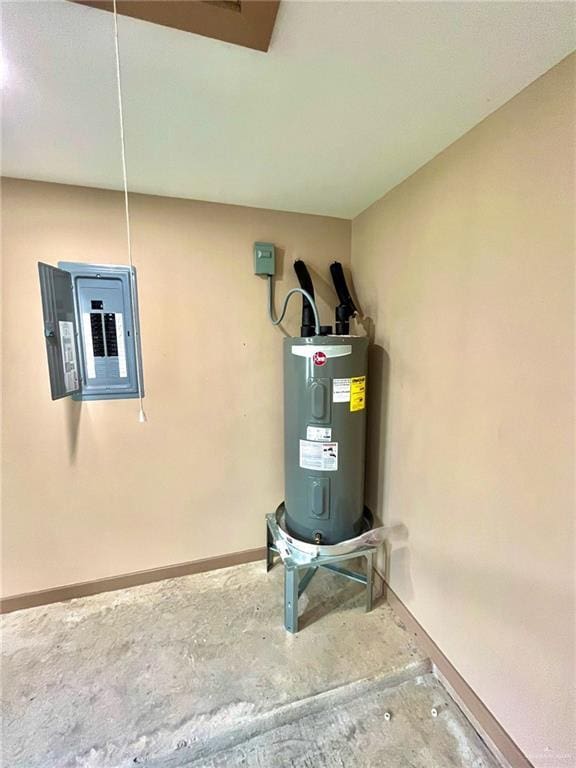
x=69 y=362
x=88 y=348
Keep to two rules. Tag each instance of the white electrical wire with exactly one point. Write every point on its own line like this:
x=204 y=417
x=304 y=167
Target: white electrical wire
x=141 y=415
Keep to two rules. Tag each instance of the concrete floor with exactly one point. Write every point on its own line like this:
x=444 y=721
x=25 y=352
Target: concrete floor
x=198 y=671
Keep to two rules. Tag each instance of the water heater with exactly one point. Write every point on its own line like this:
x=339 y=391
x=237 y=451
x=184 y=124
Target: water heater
x=324 y=436
x=324 y=414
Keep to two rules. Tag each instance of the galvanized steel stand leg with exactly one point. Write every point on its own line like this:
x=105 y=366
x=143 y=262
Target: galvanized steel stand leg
x=369 y=574
x=269 y=551
x=291 y=580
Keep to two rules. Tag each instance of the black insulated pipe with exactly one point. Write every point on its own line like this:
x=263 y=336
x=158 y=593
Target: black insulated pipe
x=308 y=327
x=346 y=309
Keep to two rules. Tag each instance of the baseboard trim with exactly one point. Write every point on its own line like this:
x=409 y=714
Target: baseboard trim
x=489 y=729
x=87 y=588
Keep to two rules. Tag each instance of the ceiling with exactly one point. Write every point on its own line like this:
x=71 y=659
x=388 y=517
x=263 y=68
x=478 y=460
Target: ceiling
x=351 y=98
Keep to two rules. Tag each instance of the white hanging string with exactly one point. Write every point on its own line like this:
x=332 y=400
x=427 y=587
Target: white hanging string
x=141 y=414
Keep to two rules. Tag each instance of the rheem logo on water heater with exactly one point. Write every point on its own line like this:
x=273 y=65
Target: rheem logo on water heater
x=319 y=358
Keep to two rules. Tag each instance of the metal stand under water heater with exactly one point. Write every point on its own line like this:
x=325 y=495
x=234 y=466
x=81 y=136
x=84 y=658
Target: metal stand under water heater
x=323 y=516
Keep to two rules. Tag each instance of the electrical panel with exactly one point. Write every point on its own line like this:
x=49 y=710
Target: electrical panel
x=92 y=345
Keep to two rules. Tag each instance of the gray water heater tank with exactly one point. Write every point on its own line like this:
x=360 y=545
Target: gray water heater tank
x=324 y=436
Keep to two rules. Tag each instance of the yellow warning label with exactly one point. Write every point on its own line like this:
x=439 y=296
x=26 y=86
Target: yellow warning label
x=358 y=393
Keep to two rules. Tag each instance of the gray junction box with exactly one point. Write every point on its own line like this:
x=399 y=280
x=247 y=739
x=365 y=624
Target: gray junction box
x=88 y=324
x=324 y=436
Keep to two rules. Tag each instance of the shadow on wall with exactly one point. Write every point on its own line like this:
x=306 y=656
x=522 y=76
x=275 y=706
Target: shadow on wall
x=280 y=261
x=324 y=289
x=395 y=556
x=73 y=416
x=376 y=427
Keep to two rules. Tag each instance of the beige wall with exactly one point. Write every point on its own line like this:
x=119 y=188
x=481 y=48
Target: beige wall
x=88 y=491
x=467 y=269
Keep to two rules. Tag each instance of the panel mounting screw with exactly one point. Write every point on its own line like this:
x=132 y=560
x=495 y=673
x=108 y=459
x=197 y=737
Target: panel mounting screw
x=434 y=711
x=387 y=716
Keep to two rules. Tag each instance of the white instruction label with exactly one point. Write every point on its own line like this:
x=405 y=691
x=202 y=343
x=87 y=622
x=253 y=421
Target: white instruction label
x=322 y=434
x=322 y=456
x=122 y=370
x=341 y=390
x=69 y=362
x=88 y=348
